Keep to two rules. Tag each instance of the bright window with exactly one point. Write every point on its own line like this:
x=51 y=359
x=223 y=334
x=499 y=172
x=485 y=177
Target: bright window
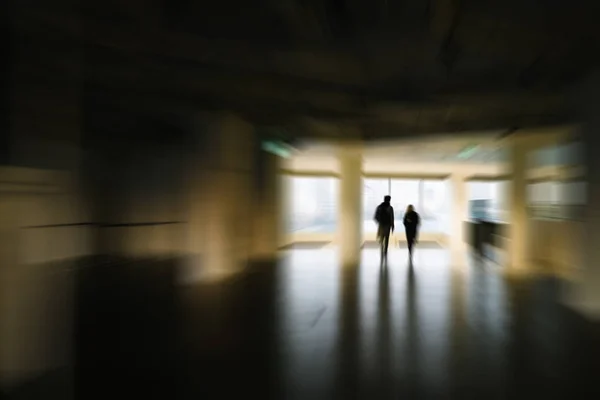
x=429 y=197
x=435 y=206
x=488 y=200
x=373 y=192
x=311 y=204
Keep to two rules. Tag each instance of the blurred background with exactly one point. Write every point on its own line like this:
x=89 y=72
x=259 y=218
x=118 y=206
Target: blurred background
x=188 y=189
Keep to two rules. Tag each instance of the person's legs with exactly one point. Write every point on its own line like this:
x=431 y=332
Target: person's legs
x=386 y=242
x=411 y=242
x=380 y=240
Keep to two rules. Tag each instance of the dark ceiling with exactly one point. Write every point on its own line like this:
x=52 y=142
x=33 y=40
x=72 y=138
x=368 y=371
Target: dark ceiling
x=391 y=67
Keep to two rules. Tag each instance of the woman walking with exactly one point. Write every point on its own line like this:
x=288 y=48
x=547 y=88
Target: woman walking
x=411 y=227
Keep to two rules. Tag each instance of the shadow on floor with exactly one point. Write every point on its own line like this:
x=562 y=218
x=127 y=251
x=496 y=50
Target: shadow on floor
x=308 y=330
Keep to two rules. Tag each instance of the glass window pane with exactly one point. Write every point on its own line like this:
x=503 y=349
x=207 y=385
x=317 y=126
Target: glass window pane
x=404 y=192
x=573 y=193
x=555 y=192
x=480 y=191
x=542 y=193
x=312 y=204
x=500 y=205
x=488 y=200
x=435 y=206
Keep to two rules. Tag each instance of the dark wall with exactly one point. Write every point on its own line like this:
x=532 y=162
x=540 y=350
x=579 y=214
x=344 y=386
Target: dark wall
x=134 y=170
x=7 y=51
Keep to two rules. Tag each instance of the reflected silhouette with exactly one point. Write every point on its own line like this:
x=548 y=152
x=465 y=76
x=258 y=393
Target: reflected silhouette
x=459 y=350
x=348 y=373
x=383 y=263
x=384 y=337
x=521 y=346
x=413 y=340
x=293 y=331
x=410 y=274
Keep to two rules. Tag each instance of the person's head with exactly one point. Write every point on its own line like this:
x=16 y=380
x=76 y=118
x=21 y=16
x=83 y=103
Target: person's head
x=410 y=208
x=387 y=198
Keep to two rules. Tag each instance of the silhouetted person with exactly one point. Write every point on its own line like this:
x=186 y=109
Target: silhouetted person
x=384 y=216
x=411 y=227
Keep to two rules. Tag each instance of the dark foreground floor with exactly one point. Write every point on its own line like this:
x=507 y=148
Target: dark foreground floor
x=309 y=330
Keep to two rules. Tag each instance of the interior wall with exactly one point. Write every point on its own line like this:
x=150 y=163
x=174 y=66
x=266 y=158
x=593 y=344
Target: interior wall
x=44 y=230
x=557 y=245
x=137 y=197
x=52 y=219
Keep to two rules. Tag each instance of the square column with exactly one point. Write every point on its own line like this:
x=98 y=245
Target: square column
x=583 y=294
x=350 y=205
x=459 y=216
x=518 y=251
x=267 y=208
x=221 y=204
x=588 y=288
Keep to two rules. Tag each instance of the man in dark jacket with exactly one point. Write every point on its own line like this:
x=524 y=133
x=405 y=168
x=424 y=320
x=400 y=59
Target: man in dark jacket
x=411 y=227
x=384 y=217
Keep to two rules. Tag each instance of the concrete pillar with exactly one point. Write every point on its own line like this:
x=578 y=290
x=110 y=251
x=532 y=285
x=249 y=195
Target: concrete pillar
x=221 y=209
x=229 y=214
x=350 y=205
x=458 y=247
x=589 y=282
x=518 y=251
x=267 y=208
x=285 y=193
x=195 y=216
x=584 y=293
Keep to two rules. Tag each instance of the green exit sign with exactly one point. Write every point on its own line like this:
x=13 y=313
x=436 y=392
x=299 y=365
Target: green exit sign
x=277 y=147
x=468 y=152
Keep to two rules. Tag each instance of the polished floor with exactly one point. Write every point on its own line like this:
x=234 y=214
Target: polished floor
x=306 y=329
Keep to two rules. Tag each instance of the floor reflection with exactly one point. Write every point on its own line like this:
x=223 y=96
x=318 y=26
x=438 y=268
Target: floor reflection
x=429 y=329
x=308 y=329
